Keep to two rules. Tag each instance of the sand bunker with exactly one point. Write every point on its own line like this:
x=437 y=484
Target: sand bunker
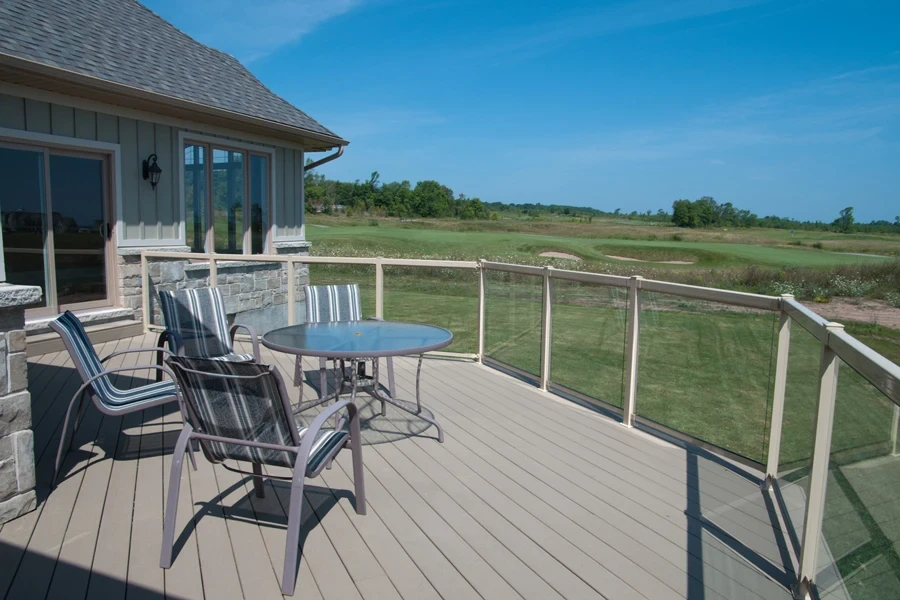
x=661 y=262
x=559 y=255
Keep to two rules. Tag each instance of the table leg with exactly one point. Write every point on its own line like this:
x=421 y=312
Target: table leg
x=378 y=394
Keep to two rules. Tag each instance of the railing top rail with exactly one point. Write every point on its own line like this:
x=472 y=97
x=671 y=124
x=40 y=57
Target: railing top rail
x=585 y=277
x=347 y=260
x=809 y=320
x=744 y=299
x=511 y=268
x=874 y=368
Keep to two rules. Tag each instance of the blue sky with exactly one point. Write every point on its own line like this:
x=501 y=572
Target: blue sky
x=788 y=107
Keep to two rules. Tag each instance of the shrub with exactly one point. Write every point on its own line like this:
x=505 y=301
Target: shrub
x=817 y=245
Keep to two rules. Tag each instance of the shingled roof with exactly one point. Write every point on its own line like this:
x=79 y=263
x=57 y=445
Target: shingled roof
x=123 y=42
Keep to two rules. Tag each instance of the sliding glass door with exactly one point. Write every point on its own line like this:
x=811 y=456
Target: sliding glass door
x=57 y=229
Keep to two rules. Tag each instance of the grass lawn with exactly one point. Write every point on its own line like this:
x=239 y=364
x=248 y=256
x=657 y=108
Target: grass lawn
x=512 y=246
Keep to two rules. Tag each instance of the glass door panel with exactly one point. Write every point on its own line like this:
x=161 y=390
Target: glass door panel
x=78 y=199
x=228 y=201
x=195 y=221
x=23 y=214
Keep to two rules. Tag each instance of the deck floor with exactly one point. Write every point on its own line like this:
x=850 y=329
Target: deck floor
x=529 y=497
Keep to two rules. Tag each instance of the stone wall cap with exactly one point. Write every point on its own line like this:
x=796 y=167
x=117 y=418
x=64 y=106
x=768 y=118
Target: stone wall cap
x=18 y=295
x=221 y=265
x=136 y=250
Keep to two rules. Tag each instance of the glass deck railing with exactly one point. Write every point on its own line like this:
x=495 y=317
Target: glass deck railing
x=761 y=378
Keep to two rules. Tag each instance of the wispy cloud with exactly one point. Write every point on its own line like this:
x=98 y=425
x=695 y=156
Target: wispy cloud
x=848 y=108
x=537 y=39
x=251 y=30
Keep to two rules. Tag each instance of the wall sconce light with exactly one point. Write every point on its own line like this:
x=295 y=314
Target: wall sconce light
x=152 y=170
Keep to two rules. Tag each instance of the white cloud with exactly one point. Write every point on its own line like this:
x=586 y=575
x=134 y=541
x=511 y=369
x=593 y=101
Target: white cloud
x=251 y=30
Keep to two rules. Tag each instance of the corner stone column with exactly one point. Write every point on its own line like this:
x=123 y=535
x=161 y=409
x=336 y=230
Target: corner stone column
x=17 y=472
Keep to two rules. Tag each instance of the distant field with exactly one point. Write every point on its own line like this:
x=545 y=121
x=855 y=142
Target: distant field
x=392 y=238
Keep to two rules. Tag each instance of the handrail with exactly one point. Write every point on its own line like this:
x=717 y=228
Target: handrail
x=744 y=299
x=810 y=321
x=874 y=368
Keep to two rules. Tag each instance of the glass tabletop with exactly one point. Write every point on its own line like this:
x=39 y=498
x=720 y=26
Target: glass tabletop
x=357 y=339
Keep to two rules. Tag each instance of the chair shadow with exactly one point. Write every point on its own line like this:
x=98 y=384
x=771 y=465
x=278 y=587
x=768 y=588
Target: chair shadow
x=375 y=428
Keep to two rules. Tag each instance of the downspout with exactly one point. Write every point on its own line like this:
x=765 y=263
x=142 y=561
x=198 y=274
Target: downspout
x=322 y=161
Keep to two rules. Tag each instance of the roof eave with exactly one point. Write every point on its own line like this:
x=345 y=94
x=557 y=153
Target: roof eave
x=95 y=88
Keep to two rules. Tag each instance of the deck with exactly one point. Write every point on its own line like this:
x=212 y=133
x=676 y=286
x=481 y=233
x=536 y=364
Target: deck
x=529 y=497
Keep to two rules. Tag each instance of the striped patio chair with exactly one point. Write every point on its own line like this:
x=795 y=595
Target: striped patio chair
x=197 y=326
x=97 y=384
x=241 y=412
x=330 y=304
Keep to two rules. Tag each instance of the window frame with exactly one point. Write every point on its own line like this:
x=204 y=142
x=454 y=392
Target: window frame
x=210 y=143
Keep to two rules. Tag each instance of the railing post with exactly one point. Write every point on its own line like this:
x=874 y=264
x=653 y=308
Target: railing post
x=213 y=272
x=895 y=425
x=379 y=288
x=481 y=304
x=818 y=471
x=145 y=292
x=291 y=292
x=546 y=330
x=781 y=368
x=631 y=350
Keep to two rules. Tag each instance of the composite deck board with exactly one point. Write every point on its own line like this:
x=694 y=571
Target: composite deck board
x=529 y=497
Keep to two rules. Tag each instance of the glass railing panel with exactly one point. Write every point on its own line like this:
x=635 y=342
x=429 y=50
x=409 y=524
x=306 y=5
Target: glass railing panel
x=798 y=425
x=446 y=297
x=588 y=339
x=858 y=557
x=513 y=319
x=326 y=274
x=706 y=369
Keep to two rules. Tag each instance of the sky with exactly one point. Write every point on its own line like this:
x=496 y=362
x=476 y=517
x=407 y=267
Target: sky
x=786 y=107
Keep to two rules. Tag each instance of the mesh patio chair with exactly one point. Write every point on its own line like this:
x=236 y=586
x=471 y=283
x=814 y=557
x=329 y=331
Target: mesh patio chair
x=241 y=412
x=96 y=383
x=197 y=326
x=330 y=304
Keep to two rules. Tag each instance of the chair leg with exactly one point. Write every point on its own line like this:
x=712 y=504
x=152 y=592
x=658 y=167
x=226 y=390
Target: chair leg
x=258 y=484
x=79 y=416
x=390 y=370
x=291 y=544
x=165 y=556
x=323 y=378
x=359 y=485
x=62 y=439
x=298 y=373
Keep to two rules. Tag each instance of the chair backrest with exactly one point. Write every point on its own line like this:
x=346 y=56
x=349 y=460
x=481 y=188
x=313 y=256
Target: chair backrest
x=238 y=401
x=330 y=303
x=198 y=316
x=82 y=352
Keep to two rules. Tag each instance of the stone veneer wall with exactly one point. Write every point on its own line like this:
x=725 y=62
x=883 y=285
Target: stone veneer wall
x=255 y=293
x=17 y=473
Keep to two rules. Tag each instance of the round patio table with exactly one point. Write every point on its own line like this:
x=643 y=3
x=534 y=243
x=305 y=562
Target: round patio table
x=355 y=341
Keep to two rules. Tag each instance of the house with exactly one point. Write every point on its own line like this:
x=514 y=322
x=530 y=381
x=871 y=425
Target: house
x=119 y=133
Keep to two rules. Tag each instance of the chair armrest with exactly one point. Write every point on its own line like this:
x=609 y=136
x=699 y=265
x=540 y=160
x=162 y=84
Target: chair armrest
x=160 y=368
x=174 y=339
x=254 y=338
x=309 y=436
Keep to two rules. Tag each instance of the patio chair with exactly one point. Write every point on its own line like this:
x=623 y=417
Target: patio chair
x=330 y=304
x=241 y=412
x=96 y=383
x=196 y=326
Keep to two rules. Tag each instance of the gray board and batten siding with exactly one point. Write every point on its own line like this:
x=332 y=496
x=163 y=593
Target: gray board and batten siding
x=146 y=216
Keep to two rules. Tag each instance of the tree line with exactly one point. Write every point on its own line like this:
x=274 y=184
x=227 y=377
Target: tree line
x=431 y=199
x=394 y=199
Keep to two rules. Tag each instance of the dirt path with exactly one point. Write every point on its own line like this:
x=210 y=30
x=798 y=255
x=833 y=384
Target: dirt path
x=551 y=254
x=853 y=309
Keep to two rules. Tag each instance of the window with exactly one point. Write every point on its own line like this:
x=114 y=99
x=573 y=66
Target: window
x=226 y=199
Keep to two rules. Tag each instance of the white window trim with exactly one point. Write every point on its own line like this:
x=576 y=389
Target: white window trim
x=185 y=137
x=71 y=143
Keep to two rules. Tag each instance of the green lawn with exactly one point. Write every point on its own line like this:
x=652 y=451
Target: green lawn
x=411 y=241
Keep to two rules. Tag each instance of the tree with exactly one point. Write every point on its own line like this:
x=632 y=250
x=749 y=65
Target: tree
x=844 y=223
x=683 y=214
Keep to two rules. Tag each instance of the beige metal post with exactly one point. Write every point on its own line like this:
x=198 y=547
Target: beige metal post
x=481 y=299
x=379 y=288
x=546 y=330
x=818 y=472
x=631 y=350
x=781 y=369
x=145 y=292
x=291 y=293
